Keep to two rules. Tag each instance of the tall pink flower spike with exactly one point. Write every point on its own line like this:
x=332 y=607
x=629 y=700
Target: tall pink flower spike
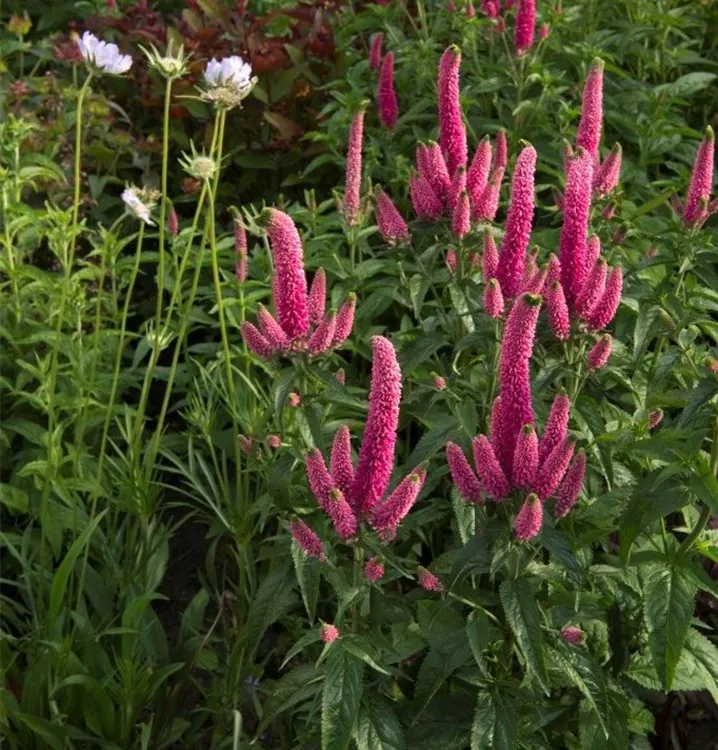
x=307 y=539
x=461 y=218
x=551 y=472
x=458 y=186
x=432 y=165
x=589 y=127
x=477 y=178
x=392 y=226
x=607 y=175
x=556 y=428
x=317 y=296
x=571 y=486
x=501 y=153
x=375 y=51
x=593 y=290
x=387 y=516
x=271 y=330
x=529 y=519
x=462 y=474
x=452 y=133
x=487 y=205
x=323 y=334
x=345 y=320
x=490 y=259
x=386 y=95
x=574 y=232
x=491 y=475
x=558 y=312
x=525 y=457
x=512 y=258
x=493 y=300
x=514 y=378
x=697 y=208
x=376 y=455
x=329 y=497
x=341 y=467
x=352 y=189
x=425 y=201
x=605 y=309
x=525 y=26
x=256 y=342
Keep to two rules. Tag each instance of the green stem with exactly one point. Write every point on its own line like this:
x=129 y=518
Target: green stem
x=78 y=164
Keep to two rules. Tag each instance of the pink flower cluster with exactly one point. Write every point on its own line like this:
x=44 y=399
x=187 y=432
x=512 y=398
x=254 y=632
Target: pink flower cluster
x=698 y=206
x=301 y=324
x=348 y=493
x=514 y=458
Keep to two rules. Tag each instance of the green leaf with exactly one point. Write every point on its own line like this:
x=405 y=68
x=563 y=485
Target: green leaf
x=495 y=723
x=524 y=619
x=461 y=305
x=688 y=84
x=307 y=571
x=341 y=698
x=703 y=392
x=300 y=685
x=444 y=657
x=669 y=602
x=701 y=660
x=377 y=727
x=477 y=631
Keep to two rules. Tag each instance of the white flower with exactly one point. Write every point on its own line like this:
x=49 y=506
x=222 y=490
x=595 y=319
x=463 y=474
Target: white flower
x=103 y=57
x=139 y=203
x=229 y=81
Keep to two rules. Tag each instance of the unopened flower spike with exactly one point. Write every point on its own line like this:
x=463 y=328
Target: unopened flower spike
x=452 y=133
x=307 y=539
x=375 y=51
x=428 y=581
x=529 y=519
x=589 y=128
x=392 y=226
x=698 y=207
x=462 y=474
x=386 y=95
x=352 y=189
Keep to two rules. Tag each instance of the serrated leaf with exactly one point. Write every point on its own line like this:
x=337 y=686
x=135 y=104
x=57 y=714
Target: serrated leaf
x=444 y=657
x=495 y=725
x=669 y=595
x=702 y=393
x=341 y=698
x=307 y=572
x=524 y=619
x=377 y=727
x=477 y=631
x=461 y=305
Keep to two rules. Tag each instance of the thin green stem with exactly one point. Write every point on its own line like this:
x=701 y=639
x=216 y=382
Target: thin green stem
x=78 y=164
x=163 y=205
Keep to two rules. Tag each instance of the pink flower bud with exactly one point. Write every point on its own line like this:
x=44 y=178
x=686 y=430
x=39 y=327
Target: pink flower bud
x=593 y=290
x=525 y=26
x=526 y=457
x=490 y=8
x=294 y=400
x=607 y=175
x=317 y=296
x=501 y=154
x=544 y=31
x=271 y=330
x=655 y=418
x=589 y=128
x=478 y=175
x=340 y=376
x=486 y=207
x=452 y=133
x=491 y=475
x=519 y=219
x=172 y=222
x=323 y=335
x=572 y=635
x=307 y=539
x=376 y=455
x=438 y=382
x=375 y=51
x=605 y=309
x=558 y=312
x=246 y=445
x=255 y=341
x=386 y=96
x=696 y=209
x=551 y=472
x=451 y=261
x=598 y=356
x=462 y=474
x=345 y=320
x=556 y=428
x=571 y=486
x=387 y=516
x=392 y=226
x=427 y=204
x=490 y=260
x=470 y=10
x=340 y=466
x=374 y=570
x=461 y=218
x=352 y=185
x=493 y=299
x=328 y=633
x=273 y=441
x=290 y=283
x=528 y=521
x=428 y=581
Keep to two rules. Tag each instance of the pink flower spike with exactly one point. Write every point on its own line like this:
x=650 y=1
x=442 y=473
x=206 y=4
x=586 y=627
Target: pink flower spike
x=496 y=421
x=392 y=226
x=462 y=474
x=470 y=10
x=655 y=417
x=376 y=455
x=553 y=272
x=375 y=51
x=307 y=539
x=345 y=320
x=491 y=475
x=514 y=377
x=551 y=472
x=386 y=96
x=461 y=218
x=526 y=458
x=607 y=175
x=271 y=330
x=572 y=635
x=696 y=209
x=598 y=356
x=528 y=521
x=486 y=207
x=343 y=518
x=323 y=335
x=352 y=184
x=493 y=299
x=519 y=219
x=571 y=486
x=328 y=633
x=433 y=167
x=452 y=133
x=341 y=467
x=558 y=312
x=255 y=341
x=427 y=204
x=478 y=175
x=320 y=480
x=374 y=569
x=290 y=283
x=458 y=186
x=317 y=296
x=589 y=128
x=593 y=290
x=525 y=26
x=593 y=253
x=173 y=222
x=536 y=283
x=604 y=311
x=490 y=8
x=501 y=153
x=577 y=208
x=490 y=260
x=428 y=581
x=387 y=516
x=556 y=428
x=240 y=250
x=451 y=261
